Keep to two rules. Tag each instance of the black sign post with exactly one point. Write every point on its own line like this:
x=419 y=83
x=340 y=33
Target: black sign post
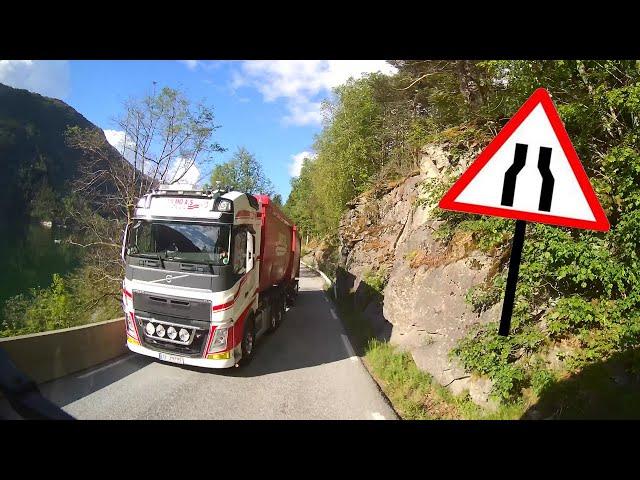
x=512 y=278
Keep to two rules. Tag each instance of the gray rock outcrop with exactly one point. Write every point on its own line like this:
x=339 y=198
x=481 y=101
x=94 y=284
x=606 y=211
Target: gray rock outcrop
x=389 y=232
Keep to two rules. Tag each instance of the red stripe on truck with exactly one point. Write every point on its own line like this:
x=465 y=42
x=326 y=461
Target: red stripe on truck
x=206 y=350
x=237 y=328
x=136 y=335
x=229 y=304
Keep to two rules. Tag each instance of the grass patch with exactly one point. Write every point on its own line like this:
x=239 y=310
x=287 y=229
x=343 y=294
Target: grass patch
x=415 y=395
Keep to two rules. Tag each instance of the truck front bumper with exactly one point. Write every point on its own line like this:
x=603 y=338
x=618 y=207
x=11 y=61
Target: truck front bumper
x=134 y=346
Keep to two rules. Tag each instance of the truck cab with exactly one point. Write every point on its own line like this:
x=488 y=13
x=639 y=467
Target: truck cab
x=192 y=292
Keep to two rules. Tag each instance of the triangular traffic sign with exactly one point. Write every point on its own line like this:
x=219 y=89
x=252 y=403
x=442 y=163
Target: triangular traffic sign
x=530 y=172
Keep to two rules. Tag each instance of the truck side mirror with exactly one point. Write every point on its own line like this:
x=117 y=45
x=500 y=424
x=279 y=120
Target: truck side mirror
x=125 y=240
x=250 y=256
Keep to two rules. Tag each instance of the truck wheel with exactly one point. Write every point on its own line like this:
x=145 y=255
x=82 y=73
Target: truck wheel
x=276 y=316
x=248 y=342
x=292 y=295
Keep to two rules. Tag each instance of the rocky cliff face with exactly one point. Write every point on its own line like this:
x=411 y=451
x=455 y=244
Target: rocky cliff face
x=387 y=235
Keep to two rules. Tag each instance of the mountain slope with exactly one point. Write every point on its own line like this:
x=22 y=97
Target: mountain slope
x=33 y=153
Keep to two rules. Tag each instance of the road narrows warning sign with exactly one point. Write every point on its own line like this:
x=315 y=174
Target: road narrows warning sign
x=531 y=173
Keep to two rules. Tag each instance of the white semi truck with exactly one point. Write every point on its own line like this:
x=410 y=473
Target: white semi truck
x=207 y=273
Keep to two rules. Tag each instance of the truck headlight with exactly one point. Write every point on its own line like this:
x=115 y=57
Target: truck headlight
x=150 y=328
x=160 y=331
x=184 y=334
x=172 y=333
x=219 y=341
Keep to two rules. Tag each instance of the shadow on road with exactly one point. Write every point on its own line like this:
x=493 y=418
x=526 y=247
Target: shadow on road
x=67 y=390
x=309 y=336
x=77 y=386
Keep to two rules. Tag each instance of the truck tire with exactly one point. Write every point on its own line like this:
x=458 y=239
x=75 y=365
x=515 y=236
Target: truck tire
x=276 y=315
x=248 y=343
x=292 y=295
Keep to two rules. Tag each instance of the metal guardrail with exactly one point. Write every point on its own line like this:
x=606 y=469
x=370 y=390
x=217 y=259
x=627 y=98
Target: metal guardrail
x=49 y=355
x=330 y=282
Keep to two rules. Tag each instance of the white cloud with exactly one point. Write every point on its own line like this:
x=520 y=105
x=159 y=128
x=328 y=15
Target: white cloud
x=116 y=139
x=297 y=160
x=208 y=65
x=46 y=77
x=191 y=64
x=192 y=175
x=303 y=113
x=301 y=82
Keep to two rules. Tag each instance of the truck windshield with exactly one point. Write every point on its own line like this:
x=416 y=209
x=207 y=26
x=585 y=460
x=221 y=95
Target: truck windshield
x=187 y=242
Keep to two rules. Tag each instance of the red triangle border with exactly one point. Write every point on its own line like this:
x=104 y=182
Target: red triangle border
x=540 y=96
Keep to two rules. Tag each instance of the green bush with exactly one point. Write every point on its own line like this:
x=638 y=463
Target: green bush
x=44 y=309
x=67 y=302
x=376 y=279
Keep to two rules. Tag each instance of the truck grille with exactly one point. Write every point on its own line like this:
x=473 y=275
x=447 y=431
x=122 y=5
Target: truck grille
x=177 y=307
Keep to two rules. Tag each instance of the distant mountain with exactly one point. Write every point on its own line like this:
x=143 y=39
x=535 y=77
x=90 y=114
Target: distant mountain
x=33 y=153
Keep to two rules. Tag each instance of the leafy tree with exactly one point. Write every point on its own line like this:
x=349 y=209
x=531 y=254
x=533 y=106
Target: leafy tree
x=164 y=135
x=45 y=203
x=578 y=287
x=301 y=205
x=243 y=173
x=277 y=199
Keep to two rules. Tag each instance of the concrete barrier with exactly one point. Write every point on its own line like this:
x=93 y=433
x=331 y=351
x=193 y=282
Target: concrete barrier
x=49 y=355
x=321 y=273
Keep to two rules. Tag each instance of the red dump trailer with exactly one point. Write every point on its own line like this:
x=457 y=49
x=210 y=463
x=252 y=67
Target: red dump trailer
x=278 y=245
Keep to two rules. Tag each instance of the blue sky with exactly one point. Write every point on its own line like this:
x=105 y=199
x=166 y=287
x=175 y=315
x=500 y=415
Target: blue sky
x=270 y=107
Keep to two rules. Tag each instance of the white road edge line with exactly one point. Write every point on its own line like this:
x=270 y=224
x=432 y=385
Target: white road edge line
x=347 y=345
x=104 y=367
x=333 y=314
x=377 y=416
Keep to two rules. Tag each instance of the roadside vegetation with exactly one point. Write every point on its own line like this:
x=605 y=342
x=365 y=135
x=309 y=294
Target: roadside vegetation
x=414 y=394
x=67 y=302
x=244 y=172
x=578 y=297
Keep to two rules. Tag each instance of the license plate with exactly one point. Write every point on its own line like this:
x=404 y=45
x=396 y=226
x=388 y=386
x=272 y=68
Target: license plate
x=171 y=358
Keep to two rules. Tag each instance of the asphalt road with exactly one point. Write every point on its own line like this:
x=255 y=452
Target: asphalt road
x=304 y=370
